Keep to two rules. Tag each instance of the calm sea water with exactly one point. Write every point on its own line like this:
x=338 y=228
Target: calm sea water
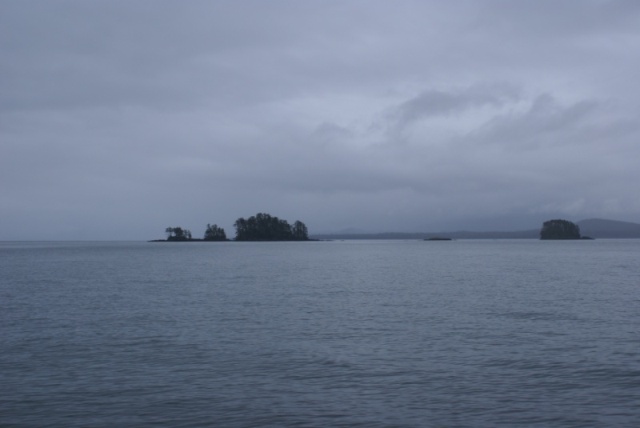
x=354 y=333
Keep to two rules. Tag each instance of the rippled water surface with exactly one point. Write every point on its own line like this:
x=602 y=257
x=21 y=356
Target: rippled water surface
x=354 y=333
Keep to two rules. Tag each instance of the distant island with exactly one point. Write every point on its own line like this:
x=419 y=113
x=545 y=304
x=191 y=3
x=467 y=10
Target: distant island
x=260 y=227
x=264 y=227
x=595 y=228
x=250 y=231
x=559 y=229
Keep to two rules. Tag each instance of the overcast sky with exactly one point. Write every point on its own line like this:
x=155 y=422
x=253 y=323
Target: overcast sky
x=120 y=118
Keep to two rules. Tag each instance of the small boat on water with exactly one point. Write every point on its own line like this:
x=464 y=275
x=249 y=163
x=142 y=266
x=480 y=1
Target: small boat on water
x=438 y=238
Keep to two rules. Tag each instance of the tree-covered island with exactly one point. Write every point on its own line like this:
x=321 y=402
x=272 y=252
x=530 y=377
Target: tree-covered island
x=560 y=229
x=263 y=227
x=214 y=233
x=260 y=227
x=178 y=234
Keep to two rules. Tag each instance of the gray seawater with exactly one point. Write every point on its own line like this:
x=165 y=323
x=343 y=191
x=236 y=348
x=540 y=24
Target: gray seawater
x=353 y=333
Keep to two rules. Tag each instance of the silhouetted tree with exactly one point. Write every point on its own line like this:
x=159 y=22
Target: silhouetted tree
x=178 y=234
x=300 y=232
x=214 y=233
x=559 y=229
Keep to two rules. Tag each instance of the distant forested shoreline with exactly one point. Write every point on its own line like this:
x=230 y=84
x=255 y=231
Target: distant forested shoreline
x=260 y=227
x=596 y=228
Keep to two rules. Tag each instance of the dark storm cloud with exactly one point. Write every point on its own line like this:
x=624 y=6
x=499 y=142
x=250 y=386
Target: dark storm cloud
x=118 y=118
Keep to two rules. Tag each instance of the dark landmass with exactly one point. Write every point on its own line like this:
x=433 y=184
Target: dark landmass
x=559 y=229
x=260 y=227
x=594 y=228
x=264 y=227
x=214 y=233
x=274 y=229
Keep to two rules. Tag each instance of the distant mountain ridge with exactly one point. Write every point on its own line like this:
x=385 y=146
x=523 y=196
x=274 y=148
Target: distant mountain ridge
x=601 y=228
x=594 y=228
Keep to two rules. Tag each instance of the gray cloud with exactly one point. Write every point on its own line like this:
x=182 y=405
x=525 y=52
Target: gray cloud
x=118 y=119
x=436 y=102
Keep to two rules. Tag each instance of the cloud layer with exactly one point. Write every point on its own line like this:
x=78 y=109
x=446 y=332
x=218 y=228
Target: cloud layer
x=118 y=119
